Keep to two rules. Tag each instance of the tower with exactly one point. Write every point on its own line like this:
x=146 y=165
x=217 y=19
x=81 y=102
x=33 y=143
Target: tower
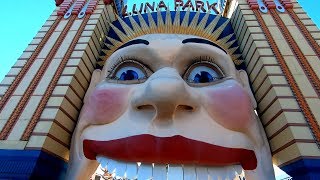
x=42 y=95
x=281 y=48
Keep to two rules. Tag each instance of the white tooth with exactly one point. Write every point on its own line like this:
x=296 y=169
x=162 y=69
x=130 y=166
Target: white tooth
x=238 y=177
x=217 y=173
x=224 y=174
x=213 y=175
x=238 y=169
x=131 y=172
x=241 y=175
x=121 y=169
x=175 y=172
x=159 y=172
x=103 y=161
x=189 y=173
x=231 y=174
x=113 y=175
x=202 y=173
x=145 y=171
x=100 y=170
x=112 y=166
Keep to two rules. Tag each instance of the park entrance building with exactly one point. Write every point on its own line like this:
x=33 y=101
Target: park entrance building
x=42 y=95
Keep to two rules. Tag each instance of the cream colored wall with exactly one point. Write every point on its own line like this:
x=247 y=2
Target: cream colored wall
x=289 y=135
x=54 y=128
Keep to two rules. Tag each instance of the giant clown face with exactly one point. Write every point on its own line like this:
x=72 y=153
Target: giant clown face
x=175 y=103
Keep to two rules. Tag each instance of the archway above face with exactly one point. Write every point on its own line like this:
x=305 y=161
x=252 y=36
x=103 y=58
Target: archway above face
x=172 y=99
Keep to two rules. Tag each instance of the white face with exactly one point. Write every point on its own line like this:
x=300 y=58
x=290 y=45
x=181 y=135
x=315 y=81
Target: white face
x=170 y=99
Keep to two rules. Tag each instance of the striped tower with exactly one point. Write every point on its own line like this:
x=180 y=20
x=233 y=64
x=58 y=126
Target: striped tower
x=280 y=45
x=41 y=96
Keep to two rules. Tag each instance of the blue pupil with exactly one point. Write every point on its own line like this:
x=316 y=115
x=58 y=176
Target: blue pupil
x=129 y=75
x=203 y=77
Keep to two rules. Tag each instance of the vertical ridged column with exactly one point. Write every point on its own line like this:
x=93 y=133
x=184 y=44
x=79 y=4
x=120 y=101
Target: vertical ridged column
x=40 y=112
x=305 y=20
x=282 y=83
x=16 y=82
x=78 y=6
x=63 y=8
x=60 y=114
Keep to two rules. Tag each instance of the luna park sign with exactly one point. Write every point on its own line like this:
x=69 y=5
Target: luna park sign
x=196 y=5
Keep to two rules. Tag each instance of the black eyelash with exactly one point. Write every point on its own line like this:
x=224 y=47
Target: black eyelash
x=114 y=66
x=202 y=59
x=124 y=59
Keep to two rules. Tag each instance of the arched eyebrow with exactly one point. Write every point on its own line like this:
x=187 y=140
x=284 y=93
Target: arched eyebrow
x=135 y=41
x=202 y=41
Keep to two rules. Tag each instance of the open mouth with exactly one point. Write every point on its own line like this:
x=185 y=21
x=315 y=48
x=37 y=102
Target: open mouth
x=130 y=170
x=168 y=154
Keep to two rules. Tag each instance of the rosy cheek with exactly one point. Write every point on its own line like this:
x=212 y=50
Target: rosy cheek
x=230 y=106
x=106 y=105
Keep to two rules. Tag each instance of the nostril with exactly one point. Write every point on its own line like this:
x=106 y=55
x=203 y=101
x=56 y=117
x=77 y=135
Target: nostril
x=145 y=107
x=185 y=107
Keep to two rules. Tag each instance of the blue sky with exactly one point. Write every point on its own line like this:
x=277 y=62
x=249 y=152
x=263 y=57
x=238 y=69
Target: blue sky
x=20 y=21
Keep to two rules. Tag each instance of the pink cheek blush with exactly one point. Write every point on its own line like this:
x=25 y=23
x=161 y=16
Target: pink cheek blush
x=230 y=106
x=106 y=105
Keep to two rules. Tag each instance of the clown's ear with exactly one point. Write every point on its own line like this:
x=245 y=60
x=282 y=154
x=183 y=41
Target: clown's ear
x=243 y=76
x=95 y=79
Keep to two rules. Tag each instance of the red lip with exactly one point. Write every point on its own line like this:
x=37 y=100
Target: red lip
x=169 y=150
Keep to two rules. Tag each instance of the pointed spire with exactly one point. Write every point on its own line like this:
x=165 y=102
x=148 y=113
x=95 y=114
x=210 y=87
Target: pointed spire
x=230 y=43
x=143 y=23
x=176 y=21
x=113 y=41
x=238 y=61
x=232 y=50
x=152 y=24
x=235 y=56
x=211 y=26
x=185 y=23
x=168 y=22
x=218 y=31
x=195 y=19
x=185 y=20
x=204 y=20
x=125 y=27
x=109 y=46
x=160 y=25
x=136 y=28
x=225 y=39
x=101 y=63
x=123 y=37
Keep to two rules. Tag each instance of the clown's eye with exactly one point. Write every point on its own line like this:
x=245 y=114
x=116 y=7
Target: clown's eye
x=203 y=72
x=130 y=73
